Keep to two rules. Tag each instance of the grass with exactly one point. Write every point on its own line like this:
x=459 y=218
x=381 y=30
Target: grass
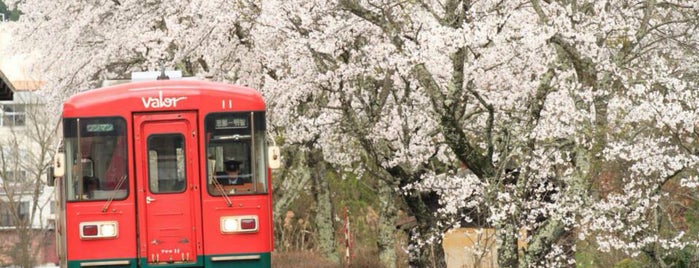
x=295 y=259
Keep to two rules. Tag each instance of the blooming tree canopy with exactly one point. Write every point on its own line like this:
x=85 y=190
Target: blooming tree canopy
x=80 y=44
x=546 y=102
x=575 y=119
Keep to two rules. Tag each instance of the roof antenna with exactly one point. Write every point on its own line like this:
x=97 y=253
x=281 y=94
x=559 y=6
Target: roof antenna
x=162 y=75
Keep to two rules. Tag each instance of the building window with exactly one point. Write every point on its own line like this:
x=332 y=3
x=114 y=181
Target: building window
x=12 y=115
x=23 y=210
x=12 y=176
x=6 y=213
x=6 y=216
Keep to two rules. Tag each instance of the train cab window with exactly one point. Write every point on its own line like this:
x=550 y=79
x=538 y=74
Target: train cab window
x=166 y=163
x=96 y=158
x=236 y=154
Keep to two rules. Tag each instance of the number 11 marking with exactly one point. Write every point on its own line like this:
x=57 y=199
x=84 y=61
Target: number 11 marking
x=230 y=104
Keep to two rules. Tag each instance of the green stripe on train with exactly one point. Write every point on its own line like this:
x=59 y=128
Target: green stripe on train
x=111 y=263
x=214 y=261
x=255 y=260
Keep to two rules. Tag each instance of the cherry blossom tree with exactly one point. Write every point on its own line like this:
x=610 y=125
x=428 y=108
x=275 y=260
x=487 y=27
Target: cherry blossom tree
x=539 y=99
x=81 y=44
x=574 y=119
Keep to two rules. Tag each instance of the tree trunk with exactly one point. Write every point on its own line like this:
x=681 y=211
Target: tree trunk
x=387 y=212
x=23 y=247
x=290 y=182
x=423 y=207
x=541 y=242
x=324 y=211
x=506 y=236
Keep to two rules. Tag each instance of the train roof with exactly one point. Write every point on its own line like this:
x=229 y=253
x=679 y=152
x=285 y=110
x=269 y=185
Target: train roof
x=163 y=95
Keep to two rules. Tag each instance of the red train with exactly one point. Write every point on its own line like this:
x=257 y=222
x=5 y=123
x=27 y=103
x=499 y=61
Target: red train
x=168 y=173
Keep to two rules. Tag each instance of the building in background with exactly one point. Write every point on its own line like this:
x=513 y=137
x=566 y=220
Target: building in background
x=18 y=174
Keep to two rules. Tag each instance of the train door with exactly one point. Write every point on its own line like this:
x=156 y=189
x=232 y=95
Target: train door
x=168 y=195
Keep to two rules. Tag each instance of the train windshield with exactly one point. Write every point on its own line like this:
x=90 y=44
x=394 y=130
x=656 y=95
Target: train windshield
x=96 y=158
x=236 y=154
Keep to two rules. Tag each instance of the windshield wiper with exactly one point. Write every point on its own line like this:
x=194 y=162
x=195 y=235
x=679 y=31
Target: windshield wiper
x=220 y=189
x=114 y=193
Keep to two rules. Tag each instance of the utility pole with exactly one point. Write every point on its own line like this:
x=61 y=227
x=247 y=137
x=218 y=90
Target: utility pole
x=347 y=232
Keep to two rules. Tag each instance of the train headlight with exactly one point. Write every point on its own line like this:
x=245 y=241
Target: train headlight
x=239 y=224
x=98 y=229
x=229 y=224
x=108 y=230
